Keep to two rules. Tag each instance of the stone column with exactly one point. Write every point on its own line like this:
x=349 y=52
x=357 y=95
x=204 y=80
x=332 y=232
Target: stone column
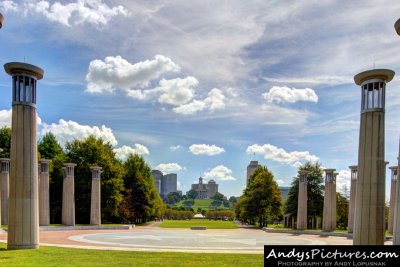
x=95 y=201
x=44 y=197
x=23 y=220
x=352 y=204
x=369 y=226
x=302 y=201
x=4 y=189
x=68 y=200
x=329 y=215
x=392 y=198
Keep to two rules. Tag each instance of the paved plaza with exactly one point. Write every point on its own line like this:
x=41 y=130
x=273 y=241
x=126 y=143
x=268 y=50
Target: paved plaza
x=181 y=240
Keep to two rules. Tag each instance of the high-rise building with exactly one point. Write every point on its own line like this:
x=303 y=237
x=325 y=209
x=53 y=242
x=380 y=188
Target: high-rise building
x=250 y=169
x=165 y=184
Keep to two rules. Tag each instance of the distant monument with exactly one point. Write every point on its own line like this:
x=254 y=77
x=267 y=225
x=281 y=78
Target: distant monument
x=369 y=224
x=68 y=198
x=250 y=169
x=23 y=226
x=205 y=191
x=95 y=198
x=44 y=194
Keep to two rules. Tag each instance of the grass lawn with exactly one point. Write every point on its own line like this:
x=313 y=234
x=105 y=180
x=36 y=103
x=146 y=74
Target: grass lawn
x=196 y=222
x=53 y=256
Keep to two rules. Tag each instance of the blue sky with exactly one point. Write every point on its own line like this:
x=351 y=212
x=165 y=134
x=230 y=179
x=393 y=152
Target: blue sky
x=203 y=87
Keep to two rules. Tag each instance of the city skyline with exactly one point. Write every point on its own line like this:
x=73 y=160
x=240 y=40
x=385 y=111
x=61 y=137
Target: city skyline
x=203 y=93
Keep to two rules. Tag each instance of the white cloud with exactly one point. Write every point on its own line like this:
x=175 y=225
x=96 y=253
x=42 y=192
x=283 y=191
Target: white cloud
x=176 y=91
x=214 y=101
x=286 y=95
x=66 y=131
x=173 y=148
x=274 y=153
x=280 y=182
x=94 y=12
x=203 y=149
x=8 y=6
x=117 y=73
x=220 y=172
x=6 y=115
x=343 y=178
x=5 y=118
x=168 y=167
x=124 y=152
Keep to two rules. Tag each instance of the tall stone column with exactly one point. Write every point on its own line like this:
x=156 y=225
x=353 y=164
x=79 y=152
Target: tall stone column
x=95 y=201
x=4 y=189
x=329 y=215
x=392 y=197
x=369 y=224
x=44 y=197
x=302 y=201
x=352 y=204
x=23 y=220
x=68 y=200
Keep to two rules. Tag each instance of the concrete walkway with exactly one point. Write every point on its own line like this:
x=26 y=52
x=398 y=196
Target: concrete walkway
x=153 y=238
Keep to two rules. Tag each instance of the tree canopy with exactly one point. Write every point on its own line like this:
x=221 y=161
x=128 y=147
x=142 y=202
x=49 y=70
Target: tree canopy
x=261 y=201
x=315 y=187
x=5 y=142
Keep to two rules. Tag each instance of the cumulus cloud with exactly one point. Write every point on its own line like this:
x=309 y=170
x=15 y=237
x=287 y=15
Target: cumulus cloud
x=323 y=79
x=220 y=172
x=280 y=182
x=5 y=118
x=168 y=167
x=6 y=115
x=343 y=179
x=94 y=12
x=8 y=6
x=124 y=152
x=173 y=148
x=274 y=153
x=214 y=101
x=290 y=95
x=66 y=131
x=203 y=149
x=117 y=73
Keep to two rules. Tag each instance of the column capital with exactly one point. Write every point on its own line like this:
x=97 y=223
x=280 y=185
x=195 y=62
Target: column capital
x=44 y=161
x=96 y=171
x=5 y=160
x=353 y=167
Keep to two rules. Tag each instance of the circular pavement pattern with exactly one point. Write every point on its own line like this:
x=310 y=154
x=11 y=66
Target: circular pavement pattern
x=194 y=241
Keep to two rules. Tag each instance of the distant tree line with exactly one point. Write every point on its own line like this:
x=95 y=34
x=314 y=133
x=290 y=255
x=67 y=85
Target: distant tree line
x=128 y=193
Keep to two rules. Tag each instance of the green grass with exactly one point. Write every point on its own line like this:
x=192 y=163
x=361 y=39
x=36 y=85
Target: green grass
x=200 y=203
x=198 y=222
x=53 y=256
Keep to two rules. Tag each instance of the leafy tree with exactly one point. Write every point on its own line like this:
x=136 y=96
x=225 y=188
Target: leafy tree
x=173 y=197
x=261 y=200
x=143 y=200
x=233 y=200
x=49 y=148
x=315 y=202
x=5 y=142
x=218 y=196
x=89 y=152
x=191 y=194
x=342 y=211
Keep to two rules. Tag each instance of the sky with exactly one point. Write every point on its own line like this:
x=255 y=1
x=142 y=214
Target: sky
x=201 y=88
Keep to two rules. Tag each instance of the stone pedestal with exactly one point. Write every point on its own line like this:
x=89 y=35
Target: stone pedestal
x=4 y=189
x=329 y=215
x=352 y=203
x=68 y=200
x=95 y=201
x=44 y=197
x=369 y=224
x=23 y=220
x=302 y=201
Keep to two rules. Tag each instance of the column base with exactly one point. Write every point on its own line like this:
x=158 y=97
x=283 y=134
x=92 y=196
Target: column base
x=14 y=246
